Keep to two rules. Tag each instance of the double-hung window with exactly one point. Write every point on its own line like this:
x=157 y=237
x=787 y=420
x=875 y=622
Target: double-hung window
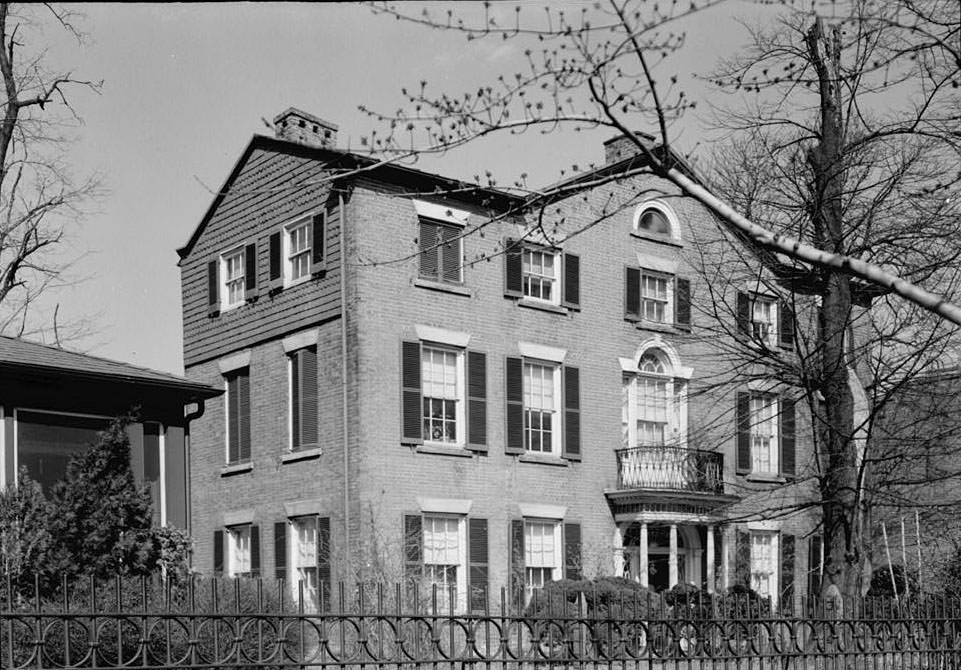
x=239 y=562
x=541 y=407
x=764 y=451
x=445 y=557
x=238 y=415
x=303 y=557
x=540 y=274
x=765 y=319
x=442 y=390
x=233 y=267
x=651 y=404
x=655 y=306
x=763 y=564
x=303 y=398
x=763 y=312
x=542 y=553
x=298 y=245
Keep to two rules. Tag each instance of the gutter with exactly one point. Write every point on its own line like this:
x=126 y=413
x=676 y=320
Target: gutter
x=344 y=367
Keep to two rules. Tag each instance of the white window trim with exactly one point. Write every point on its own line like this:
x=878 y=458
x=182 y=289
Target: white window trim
x=668 y=295
x=301 y=340
x=233 y=548
x=457 y=506
x=304 y=220
x=461 y=390
x=442 y=213
x=310 y=600
x=556 y=286
x=775 y=405
x=234 y=362
x=462 y=568
x=775 y=536
x=773 y=334
x=542 y=352
x=557 y=570
x=664 y=209
x=557 y=424
x=241 y=251
x=677 y=395
x=451 y=338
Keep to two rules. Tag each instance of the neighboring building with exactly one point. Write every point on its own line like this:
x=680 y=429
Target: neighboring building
x=417 y=382
x=53 y=402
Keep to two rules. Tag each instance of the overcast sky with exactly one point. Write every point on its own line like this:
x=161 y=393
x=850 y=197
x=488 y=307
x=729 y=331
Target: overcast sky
x=185 y=87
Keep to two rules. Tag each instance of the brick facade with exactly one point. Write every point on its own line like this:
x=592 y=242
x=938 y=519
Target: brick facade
x=382 y=301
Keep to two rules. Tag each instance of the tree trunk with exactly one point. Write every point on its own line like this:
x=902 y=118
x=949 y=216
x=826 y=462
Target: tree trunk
x=838 y=458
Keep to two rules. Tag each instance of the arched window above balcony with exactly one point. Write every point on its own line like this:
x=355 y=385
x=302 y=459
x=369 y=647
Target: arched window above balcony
x=654 y=402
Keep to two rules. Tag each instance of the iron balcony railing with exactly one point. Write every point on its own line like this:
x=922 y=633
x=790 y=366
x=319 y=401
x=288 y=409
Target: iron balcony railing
x=670 y=469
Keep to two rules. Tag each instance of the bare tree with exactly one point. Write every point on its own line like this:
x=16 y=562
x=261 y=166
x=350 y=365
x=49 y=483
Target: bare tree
x=39 y=198
x=856 y=120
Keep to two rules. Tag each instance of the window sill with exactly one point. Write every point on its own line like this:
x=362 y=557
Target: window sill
x=302 y=455
x=669 y=241
x=296 y=282
x=543 y=306
x=236 y=469
x=456 y=289
x=765 y=478
x=542 y=459
x=443 y=450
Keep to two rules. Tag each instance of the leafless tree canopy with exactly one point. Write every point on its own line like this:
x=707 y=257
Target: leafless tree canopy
x=39 y=198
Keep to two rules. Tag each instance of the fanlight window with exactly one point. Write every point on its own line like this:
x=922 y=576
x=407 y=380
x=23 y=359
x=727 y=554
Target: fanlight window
x=655 y=222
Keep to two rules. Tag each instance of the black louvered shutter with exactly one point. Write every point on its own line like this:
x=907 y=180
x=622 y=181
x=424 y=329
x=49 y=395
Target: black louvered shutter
x=275 y=267
x=518 y=579
x=478 y=571
x=250 y=272
x=233 y=418
x=786 y=439
x=323 y=562
x=743 y=420
x=318 y=240
x=787 y=573
x=213 y=286
x=477 y=401
x=742 y=558
x=429 y=252
x=513 y=269
x=243 y=414
x=280 y=550
x=743 y=314
x=413 y=548
x=514 y=376
x=572 y=413
x=307 y=359
x=254 y=551
x=572 y=281
x=632 y=293
x=814 y=566
x=572 y=551
x=450 y=254
x=682 y=303
x=218 y=553
x=411 y=410
x=785 y=330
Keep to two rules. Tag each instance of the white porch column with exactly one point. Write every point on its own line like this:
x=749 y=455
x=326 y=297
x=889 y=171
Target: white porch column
x=709 y=562
x=725 y=559
x=672 y=557
x=642 y=559
x=618 y=553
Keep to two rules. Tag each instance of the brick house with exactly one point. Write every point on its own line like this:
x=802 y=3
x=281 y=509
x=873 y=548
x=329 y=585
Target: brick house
x=418 y=382
x=53 y=402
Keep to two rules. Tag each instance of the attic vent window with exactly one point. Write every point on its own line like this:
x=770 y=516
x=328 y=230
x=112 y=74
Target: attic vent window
x=315 y=128
x=303 y=124
x=327 y=133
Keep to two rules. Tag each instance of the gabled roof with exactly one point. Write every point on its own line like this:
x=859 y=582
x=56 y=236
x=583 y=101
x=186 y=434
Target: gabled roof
x=339 y=159
x=25 y=356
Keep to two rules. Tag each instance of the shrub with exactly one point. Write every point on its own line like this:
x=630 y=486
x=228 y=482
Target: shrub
x=882 y=587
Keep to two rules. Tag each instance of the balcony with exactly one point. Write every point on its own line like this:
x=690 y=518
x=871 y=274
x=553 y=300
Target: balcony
x=670 y=469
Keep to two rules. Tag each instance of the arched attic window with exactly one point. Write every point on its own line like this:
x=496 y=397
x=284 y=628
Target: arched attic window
x=657 y=220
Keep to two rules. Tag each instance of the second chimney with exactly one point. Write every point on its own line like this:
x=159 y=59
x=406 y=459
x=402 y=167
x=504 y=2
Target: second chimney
x=294 y=125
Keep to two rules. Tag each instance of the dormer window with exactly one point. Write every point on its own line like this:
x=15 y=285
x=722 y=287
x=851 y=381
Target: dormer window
x=298 y=250
x=233 y=278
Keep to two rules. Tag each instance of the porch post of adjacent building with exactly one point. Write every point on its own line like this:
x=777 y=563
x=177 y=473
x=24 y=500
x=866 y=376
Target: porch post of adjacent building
x=642 y=559
x=709 y=561
x=672 y=557
x=725 y=560
x=618 y=553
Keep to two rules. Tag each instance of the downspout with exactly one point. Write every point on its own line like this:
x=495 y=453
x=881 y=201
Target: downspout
x=188 y=417
x=344 y=367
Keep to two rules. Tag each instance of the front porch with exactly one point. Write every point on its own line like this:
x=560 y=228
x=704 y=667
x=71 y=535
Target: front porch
x=659 y=555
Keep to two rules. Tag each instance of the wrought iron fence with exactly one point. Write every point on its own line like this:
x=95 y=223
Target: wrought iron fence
x=671 y=468
x=254 y=624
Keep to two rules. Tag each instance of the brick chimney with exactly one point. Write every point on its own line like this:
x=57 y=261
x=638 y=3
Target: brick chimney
x=294 y=125
x=620 y=147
